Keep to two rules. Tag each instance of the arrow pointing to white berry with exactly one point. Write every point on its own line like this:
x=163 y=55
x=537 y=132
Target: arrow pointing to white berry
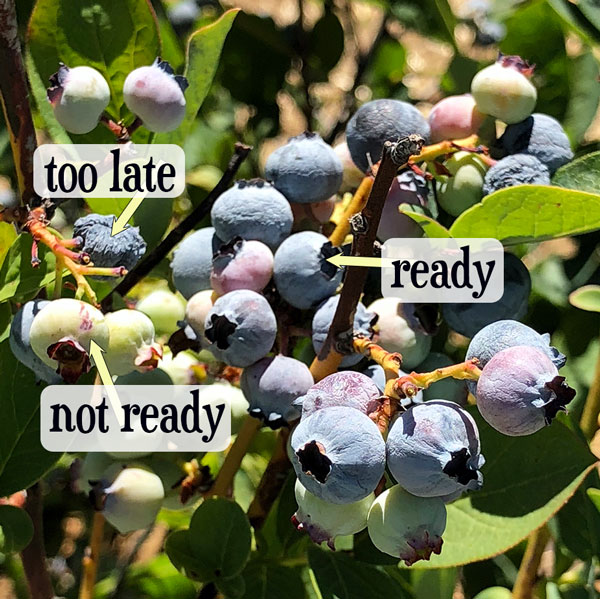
x=96 y=354
x=340 y=260
x=120 y=222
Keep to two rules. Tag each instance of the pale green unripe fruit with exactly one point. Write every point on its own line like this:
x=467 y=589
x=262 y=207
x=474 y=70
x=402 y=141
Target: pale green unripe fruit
x=465 y=187
x=66 y=327
x=197 y=309
x=406 y=526
x=503 y=91
x=133 y=500
x=131 y=345
x=324 y=521
x=78 y=97
x=92 y=468
x=164 y=308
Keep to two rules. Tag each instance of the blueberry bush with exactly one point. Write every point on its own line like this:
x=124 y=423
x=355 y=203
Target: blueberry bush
x=378 y=449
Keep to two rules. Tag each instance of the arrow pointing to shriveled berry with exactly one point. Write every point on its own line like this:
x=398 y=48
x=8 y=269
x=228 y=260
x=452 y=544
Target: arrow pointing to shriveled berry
x=120 y=222
x=96 y=354
x=340 y=260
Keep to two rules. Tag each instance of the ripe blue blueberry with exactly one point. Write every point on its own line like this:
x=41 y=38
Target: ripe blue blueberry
x=347 y=388
x=518 y=169
x=406 y=188
x=78 y=97
x=468 y=319
x=363 y=323
x=271 y=385
x=520 y=391
x=253 y=210
x=302 y=274
x=324 y=521
x=379 y=121
x=338 y=454
x=405 y=526
x=376 y=373
x=305 y=170
x=21 y=346
x=433 y=450
x=124 y=249
x=541 y=136
x=241 y=328
x=155 y=94
x=192 y=261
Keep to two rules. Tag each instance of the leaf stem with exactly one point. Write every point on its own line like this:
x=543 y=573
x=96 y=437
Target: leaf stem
x=591 y=410
x=527 y=575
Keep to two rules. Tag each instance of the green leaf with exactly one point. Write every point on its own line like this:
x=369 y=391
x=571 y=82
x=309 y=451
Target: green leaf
x=267 y=580
x=16 y=528
x=220 y=538
x=5 y=318
x=341 y=577
x=23 y=460
x=586 y=298
x=17 y=277
x=528 y=213
x=526 y=481
x=581 y=174
x=434 y=584
x=178 y=548
x=430 y=226
x=112 y=36
x=594 y=495
x=203 y=53
x=231 y=587
x=325 y=46
x=7 y=237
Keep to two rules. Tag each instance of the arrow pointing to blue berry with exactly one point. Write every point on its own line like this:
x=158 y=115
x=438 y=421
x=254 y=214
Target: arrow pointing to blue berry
x=96 y=353
x=340 y=260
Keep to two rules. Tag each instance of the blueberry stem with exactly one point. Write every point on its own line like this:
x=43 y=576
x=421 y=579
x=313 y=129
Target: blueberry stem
x=527 y=575
x=591 y=410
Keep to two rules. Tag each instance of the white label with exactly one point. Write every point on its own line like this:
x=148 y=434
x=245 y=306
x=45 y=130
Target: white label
x=109 y=171
x=155 y=418
x=443 y=270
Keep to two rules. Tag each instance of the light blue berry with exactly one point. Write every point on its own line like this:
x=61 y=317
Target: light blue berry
x=21 y=346
x=338 y=454
x=271 y=385
x=192 y=261
x=306 y=169
x=541 y=136
x=433 y=450
x=379 y=121
x=252 y=210
x=518 y=169
x=302 y=274
x=363 y=322
x=240 y=328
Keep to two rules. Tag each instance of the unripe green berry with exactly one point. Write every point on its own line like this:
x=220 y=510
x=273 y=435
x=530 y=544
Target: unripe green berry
x=164 y=308
x=464 y=187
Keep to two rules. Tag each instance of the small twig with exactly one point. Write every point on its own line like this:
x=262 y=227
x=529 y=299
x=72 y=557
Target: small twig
x=527 y=575
x=178 y=233
x=591 y=410
x=91 y=558
x=14 y=95
x=125 y=563
x=34 y=555
x=354 y=207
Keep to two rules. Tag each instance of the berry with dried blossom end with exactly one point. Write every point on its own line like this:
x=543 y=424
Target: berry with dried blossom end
x=131 y=501
x=339 y=454
x=271 y=385
x=61 y=334
x=78 y=96
x=240 y=328
x=454 y=117
x=406 y=526
x=520 y=391
x=503 y=90
x=305 y=169
x=131 y=345
x=324 y=521
x=433 y=450
x=156 y=95
x=241 y=264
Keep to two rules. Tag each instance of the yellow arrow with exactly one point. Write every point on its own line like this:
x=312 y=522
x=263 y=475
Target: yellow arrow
x=120 y=222
x=96 y=354
x=340 y=260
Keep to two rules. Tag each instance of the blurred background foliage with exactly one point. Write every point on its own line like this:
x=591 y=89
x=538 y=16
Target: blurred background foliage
x=291 y=65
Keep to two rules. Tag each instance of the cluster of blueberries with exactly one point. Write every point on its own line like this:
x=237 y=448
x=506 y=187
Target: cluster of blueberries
x=251 y=272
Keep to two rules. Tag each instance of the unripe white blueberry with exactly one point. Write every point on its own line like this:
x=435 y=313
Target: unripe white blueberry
x=78 y=97
x=61 y=333
x=164 y=308
x=155 y=94
x=131 y=345
x=406 y=526
x=132 y=501
x=503 y=90
x=323 y=521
